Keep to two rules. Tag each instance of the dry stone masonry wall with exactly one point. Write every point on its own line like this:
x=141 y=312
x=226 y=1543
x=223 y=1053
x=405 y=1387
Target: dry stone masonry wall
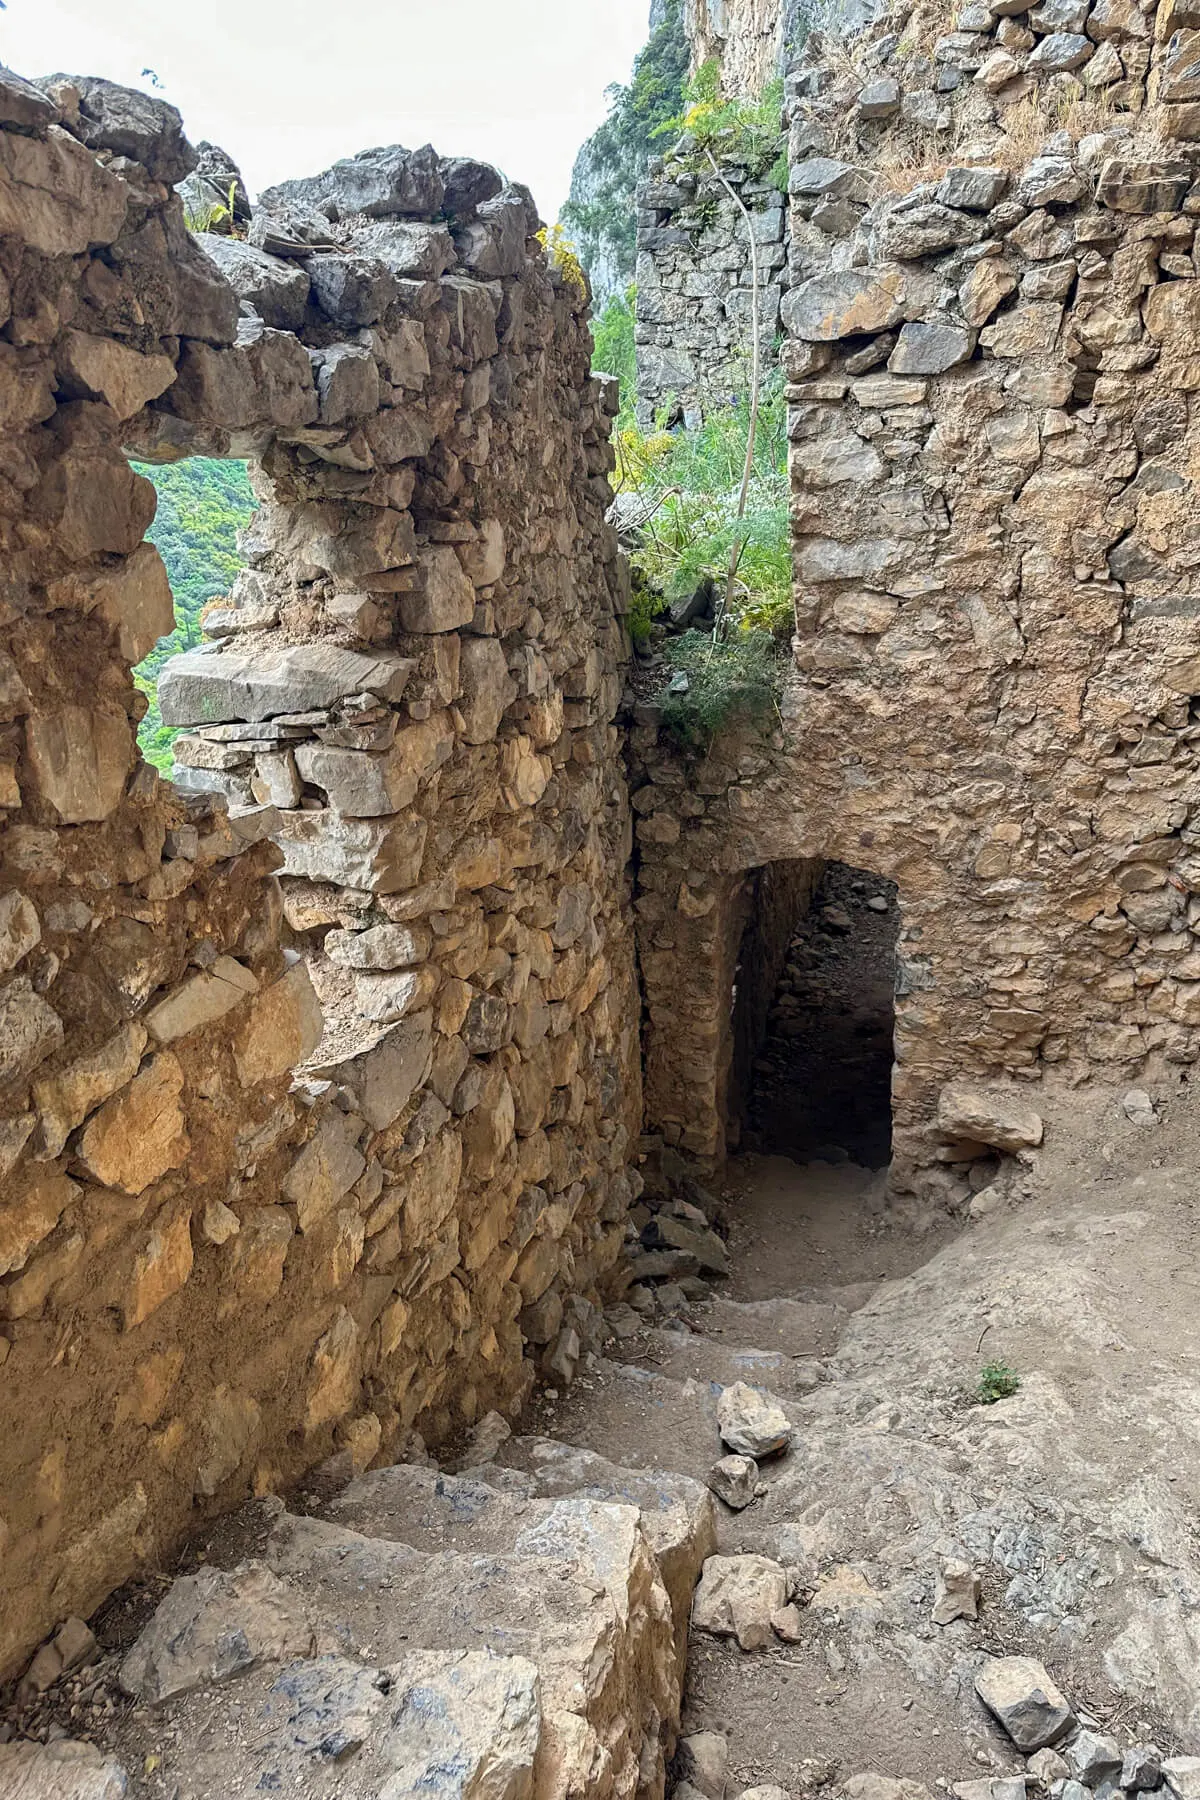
x=318 y=1068
x=993 y=354
x=695 y=283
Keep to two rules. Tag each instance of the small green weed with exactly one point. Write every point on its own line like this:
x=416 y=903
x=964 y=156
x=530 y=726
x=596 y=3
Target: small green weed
x=997 y=1381
x=732 y=681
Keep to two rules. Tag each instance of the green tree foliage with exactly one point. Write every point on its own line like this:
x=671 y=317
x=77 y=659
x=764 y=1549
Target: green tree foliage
x=615 y=352
x=202 y=506
x=688 y=482
x=602 y=211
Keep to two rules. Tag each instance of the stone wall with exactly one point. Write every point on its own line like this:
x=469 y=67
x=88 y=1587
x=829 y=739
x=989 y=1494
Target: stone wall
x=695 y=285
x=994 y=326
x=236 y=1235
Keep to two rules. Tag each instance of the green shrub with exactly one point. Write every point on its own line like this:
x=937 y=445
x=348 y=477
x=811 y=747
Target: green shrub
x=997 y=1381
x=615 y=351
x=730 y=681
x=644 y=607
x=747 y=132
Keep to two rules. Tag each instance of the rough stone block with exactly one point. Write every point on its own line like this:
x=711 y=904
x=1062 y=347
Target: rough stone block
x=283 y=1029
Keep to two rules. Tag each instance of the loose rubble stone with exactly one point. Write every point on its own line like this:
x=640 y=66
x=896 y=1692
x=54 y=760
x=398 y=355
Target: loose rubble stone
x=979 y=1117
x=1025 y=1700
x=958 y=1593
x=737 y=1597
x=750 y=1423
x=734 y=1479
x=61 y=1771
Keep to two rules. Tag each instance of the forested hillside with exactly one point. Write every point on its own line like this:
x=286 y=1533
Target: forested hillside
x=202 y=505
x=601 y=214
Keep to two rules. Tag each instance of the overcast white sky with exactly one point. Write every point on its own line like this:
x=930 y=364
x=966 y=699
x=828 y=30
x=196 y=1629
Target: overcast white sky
x=288 y=86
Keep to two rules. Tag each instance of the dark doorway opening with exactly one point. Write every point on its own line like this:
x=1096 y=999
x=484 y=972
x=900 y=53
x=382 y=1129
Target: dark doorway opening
x=815 y=1074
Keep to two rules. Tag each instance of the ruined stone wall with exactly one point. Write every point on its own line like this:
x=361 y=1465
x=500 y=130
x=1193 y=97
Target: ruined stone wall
x=236 y=1234
x=994 y=353
x=695 y=304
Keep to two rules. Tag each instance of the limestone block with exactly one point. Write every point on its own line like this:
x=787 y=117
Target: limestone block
x=256 y=1257
x=160 y=1269
x=1025 y=330
x=131 y=123
x=352 y=290
x=284 y=1027
x=737 y=1596
x=445 y=599
x=930 y=349
x=379 y=947
x=326 y=1169
x=65 y=1770
x=20 y=929
x=30 y=1030
x=380 y=184
x=206 y=687
x=751 y=1423
x=201 y=1000
x=347 y=377
x=30 y=1213
x=383 y=1076
x=80 y=759
x=989 y=282
x=277 y=290
x=95 y=503
x=139 y=1133
x=55 y=196
x=26 y=388
x=65 y=1098
x=265 y=379
x=386 y=997
x=488 y=1129
x=134 y=598
x=333 y=1377
x=21 y=103
x=213 y=1626
x=974 y=189
x=845 y=302
x=99 y=368
x=1019 y=1692
x=486 y=688
x=1143 y=186
x=483 y=560
x=378 y=856
x=399 y=434
x=971 y=1114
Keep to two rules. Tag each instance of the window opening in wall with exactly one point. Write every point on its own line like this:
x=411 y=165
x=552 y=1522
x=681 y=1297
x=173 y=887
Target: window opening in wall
x=818 y=1085
x=204 y=503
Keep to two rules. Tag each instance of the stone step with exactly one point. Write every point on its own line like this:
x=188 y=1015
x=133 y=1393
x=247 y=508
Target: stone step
x=487 y=1510
x=559 y=1597
x=677 y=1512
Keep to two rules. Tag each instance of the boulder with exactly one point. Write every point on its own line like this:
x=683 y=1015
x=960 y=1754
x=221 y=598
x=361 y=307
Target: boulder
x=975 y=1115
x=737 y=1597
x=930 y=349
x=1021 y=1695
x=751 y=1423
x=130 y=123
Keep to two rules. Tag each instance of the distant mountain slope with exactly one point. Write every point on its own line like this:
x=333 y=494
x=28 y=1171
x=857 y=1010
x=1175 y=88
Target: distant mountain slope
x=601 y=213
x=202 y=505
